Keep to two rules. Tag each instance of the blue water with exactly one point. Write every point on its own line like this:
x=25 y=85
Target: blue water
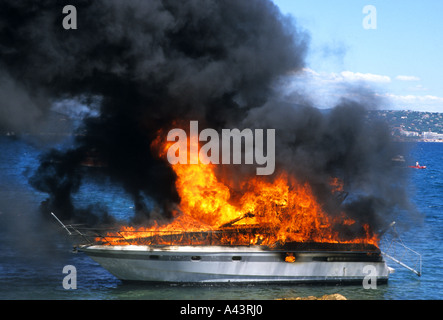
x=33 y=251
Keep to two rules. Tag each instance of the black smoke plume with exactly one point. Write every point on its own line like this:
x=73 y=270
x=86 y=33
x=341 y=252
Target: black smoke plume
x=153 y=62
x=315 y=145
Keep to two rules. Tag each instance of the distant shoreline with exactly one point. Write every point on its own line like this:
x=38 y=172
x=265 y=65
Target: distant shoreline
x=418 y=140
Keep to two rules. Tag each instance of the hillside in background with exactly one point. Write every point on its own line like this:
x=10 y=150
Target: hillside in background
x=412 y=125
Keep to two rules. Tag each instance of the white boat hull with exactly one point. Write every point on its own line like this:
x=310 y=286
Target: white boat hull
x=218 y=264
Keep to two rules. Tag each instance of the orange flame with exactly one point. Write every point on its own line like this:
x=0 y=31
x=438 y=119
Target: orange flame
x=278 y=211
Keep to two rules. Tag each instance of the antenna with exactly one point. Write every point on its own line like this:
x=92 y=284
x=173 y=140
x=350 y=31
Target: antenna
x=61 y=223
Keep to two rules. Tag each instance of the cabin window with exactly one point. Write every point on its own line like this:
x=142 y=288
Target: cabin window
x=196 y=258
x=236 y=258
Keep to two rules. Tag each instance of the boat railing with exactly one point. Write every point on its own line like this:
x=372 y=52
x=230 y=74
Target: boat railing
x=116 y=236
x=393 y=248
x=88 y=235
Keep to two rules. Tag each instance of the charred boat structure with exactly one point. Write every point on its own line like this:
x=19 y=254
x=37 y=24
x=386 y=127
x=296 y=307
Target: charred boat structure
x=208 y=257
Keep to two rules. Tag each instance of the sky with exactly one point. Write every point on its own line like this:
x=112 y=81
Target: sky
x=398 y=59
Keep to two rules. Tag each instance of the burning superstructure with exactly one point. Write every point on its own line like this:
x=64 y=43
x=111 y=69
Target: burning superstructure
x=263 y=211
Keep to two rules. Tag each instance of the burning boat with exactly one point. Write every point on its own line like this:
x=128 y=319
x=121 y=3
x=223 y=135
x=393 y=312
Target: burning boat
x=235 y=252
x=216 y=262
x=273 y=230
